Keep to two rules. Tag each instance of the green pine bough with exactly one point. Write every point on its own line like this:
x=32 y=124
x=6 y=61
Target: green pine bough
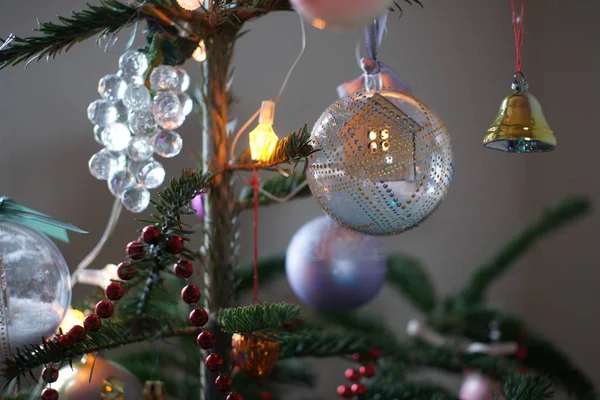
x=151 y=313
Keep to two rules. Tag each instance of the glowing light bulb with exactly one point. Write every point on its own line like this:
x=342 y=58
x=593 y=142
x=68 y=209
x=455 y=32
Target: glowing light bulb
x=319 y=23
x=200 y=53
x=190 y=5
x=263 y=138
x=99 y=277
x=72 y=318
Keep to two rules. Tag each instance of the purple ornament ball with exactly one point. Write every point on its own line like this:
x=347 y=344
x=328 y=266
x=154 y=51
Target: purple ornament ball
x=333 y=268
x=478 y=387
x=198 y=205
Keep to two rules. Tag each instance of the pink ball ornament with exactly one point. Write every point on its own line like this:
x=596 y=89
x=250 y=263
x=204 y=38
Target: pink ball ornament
x=198 y=205
x=478 y=387
x=342 y=14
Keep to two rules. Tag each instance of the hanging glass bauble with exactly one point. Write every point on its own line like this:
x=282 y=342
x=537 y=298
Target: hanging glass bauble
x=383 y=162
x=35 y=287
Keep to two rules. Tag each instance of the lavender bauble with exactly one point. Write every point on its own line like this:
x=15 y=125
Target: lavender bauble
x=478 y=387
x=341 y=14
x=198 y=205
x=333 y=268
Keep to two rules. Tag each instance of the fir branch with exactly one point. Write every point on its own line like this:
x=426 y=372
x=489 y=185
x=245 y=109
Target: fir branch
x=407 y=390
x=108 y=17
x=408 y=276
x=286 y=373
x=270 y=267
x=565 y=212
x=354 y=321
x=112 y=335
x=290 y=149
x=279 y=186
x=529 y=387
x=259 y=319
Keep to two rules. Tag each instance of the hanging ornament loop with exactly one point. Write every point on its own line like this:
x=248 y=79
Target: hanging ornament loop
x=518 y=26
x=520 y=84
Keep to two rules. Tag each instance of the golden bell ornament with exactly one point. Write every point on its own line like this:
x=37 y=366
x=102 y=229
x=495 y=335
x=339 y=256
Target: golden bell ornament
x=520 y=126
x=256 y=357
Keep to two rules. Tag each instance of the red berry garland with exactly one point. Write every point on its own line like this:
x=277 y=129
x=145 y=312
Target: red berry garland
x=151 y=236
x=267 y=396
x=358 y=389
x=354 y=375
x=344 y=391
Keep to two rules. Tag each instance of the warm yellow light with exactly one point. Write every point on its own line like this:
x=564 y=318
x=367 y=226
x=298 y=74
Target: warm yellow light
x=319 y=23
x=200 y=53
x=263 y=141
x=190 y=5
x=73 y=317
x=99 y=277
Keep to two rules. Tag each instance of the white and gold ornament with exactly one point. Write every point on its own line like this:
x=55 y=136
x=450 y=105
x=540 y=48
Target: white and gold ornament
x=133 y=123
x=341 y=14
x=384 y=161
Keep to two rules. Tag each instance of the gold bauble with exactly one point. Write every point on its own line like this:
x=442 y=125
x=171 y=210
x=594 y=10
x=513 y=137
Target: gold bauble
x=254 y=356
x=109 y=381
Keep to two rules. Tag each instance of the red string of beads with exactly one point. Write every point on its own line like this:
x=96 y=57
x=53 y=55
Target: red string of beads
x=356 y=376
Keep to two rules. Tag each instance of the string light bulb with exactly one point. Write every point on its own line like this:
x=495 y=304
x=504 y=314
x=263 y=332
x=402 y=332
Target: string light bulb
x=263 y=138
x=72 y=318
x=190 y=5
x=200 y=53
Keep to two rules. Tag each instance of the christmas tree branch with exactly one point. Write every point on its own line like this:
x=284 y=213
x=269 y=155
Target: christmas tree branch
x=279 y=186
x=529 y=386
x=409 y=277
x=260 y=319
x=407 y=390
x=112 y=335
x=553 y=219
x=108 y=17
x=290 y=149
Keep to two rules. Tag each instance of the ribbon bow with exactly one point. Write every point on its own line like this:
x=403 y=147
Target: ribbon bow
x=13 y=211
x=374 y=34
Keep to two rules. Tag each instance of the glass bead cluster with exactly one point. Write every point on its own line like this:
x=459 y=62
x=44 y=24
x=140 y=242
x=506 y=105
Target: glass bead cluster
x=133 y=123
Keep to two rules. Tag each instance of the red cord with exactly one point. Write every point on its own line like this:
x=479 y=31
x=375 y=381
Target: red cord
x=255 y=185
x=518 y=26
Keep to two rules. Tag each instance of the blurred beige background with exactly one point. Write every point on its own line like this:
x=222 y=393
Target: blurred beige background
x=457 y=56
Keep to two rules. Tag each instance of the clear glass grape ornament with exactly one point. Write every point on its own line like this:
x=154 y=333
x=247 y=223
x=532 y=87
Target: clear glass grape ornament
x=116 y=136
x=112 y=88
x=384 y=162
x=137 y=97
x=168 y=144
x=136 y=198
x=102 y=112
x=133 y=63
x=103 y=164
x=151 y=173
x=142 y=122
x=164 y=77
x=140 y=148
x=35 y=287
x=120 y=181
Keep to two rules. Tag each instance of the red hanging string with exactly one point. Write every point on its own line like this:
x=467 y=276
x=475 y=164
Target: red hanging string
x=255 y=185
x=518 y=26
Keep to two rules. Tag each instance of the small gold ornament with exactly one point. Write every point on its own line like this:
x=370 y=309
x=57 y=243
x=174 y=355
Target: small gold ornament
x=154 y=390
x=256 y=357
x=113 y=389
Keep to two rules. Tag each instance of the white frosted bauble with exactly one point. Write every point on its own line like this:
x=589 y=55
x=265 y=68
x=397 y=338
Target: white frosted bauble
x=478 y=387
x=342 y=14
x=384 y=162
x=112 y=88
x=37 y=287
x=168 y=144
x=136 y=199
x=102 y=112
x=116 y=136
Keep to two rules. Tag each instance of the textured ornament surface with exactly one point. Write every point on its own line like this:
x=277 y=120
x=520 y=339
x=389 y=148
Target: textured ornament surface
x=254 y=356
x=383 y=164
x=35 y=287
x=333 y=268
x=74 y=384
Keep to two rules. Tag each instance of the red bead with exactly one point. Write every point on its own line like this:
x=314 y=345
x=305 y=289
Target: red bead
x=50 y=374
x=190 y=294
x=151 y=234
x=521 y=353
x=49 y=394
x=358 y=389
x=356 y=357
x=234 y=396
x=344 y=391
x=136 y=250
x=267 y=396
x=64 y=341
x=206 y=340
x=77 y=333
x=183 y=269
x=115 y=291
x=214 y=362
x=126 y=271
x=105 y=309
x=373 y=354
x=175 y=244
x=367 y=371
x=224 y=383
x=92 y=323
x=199 y=317
x=352 y=374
